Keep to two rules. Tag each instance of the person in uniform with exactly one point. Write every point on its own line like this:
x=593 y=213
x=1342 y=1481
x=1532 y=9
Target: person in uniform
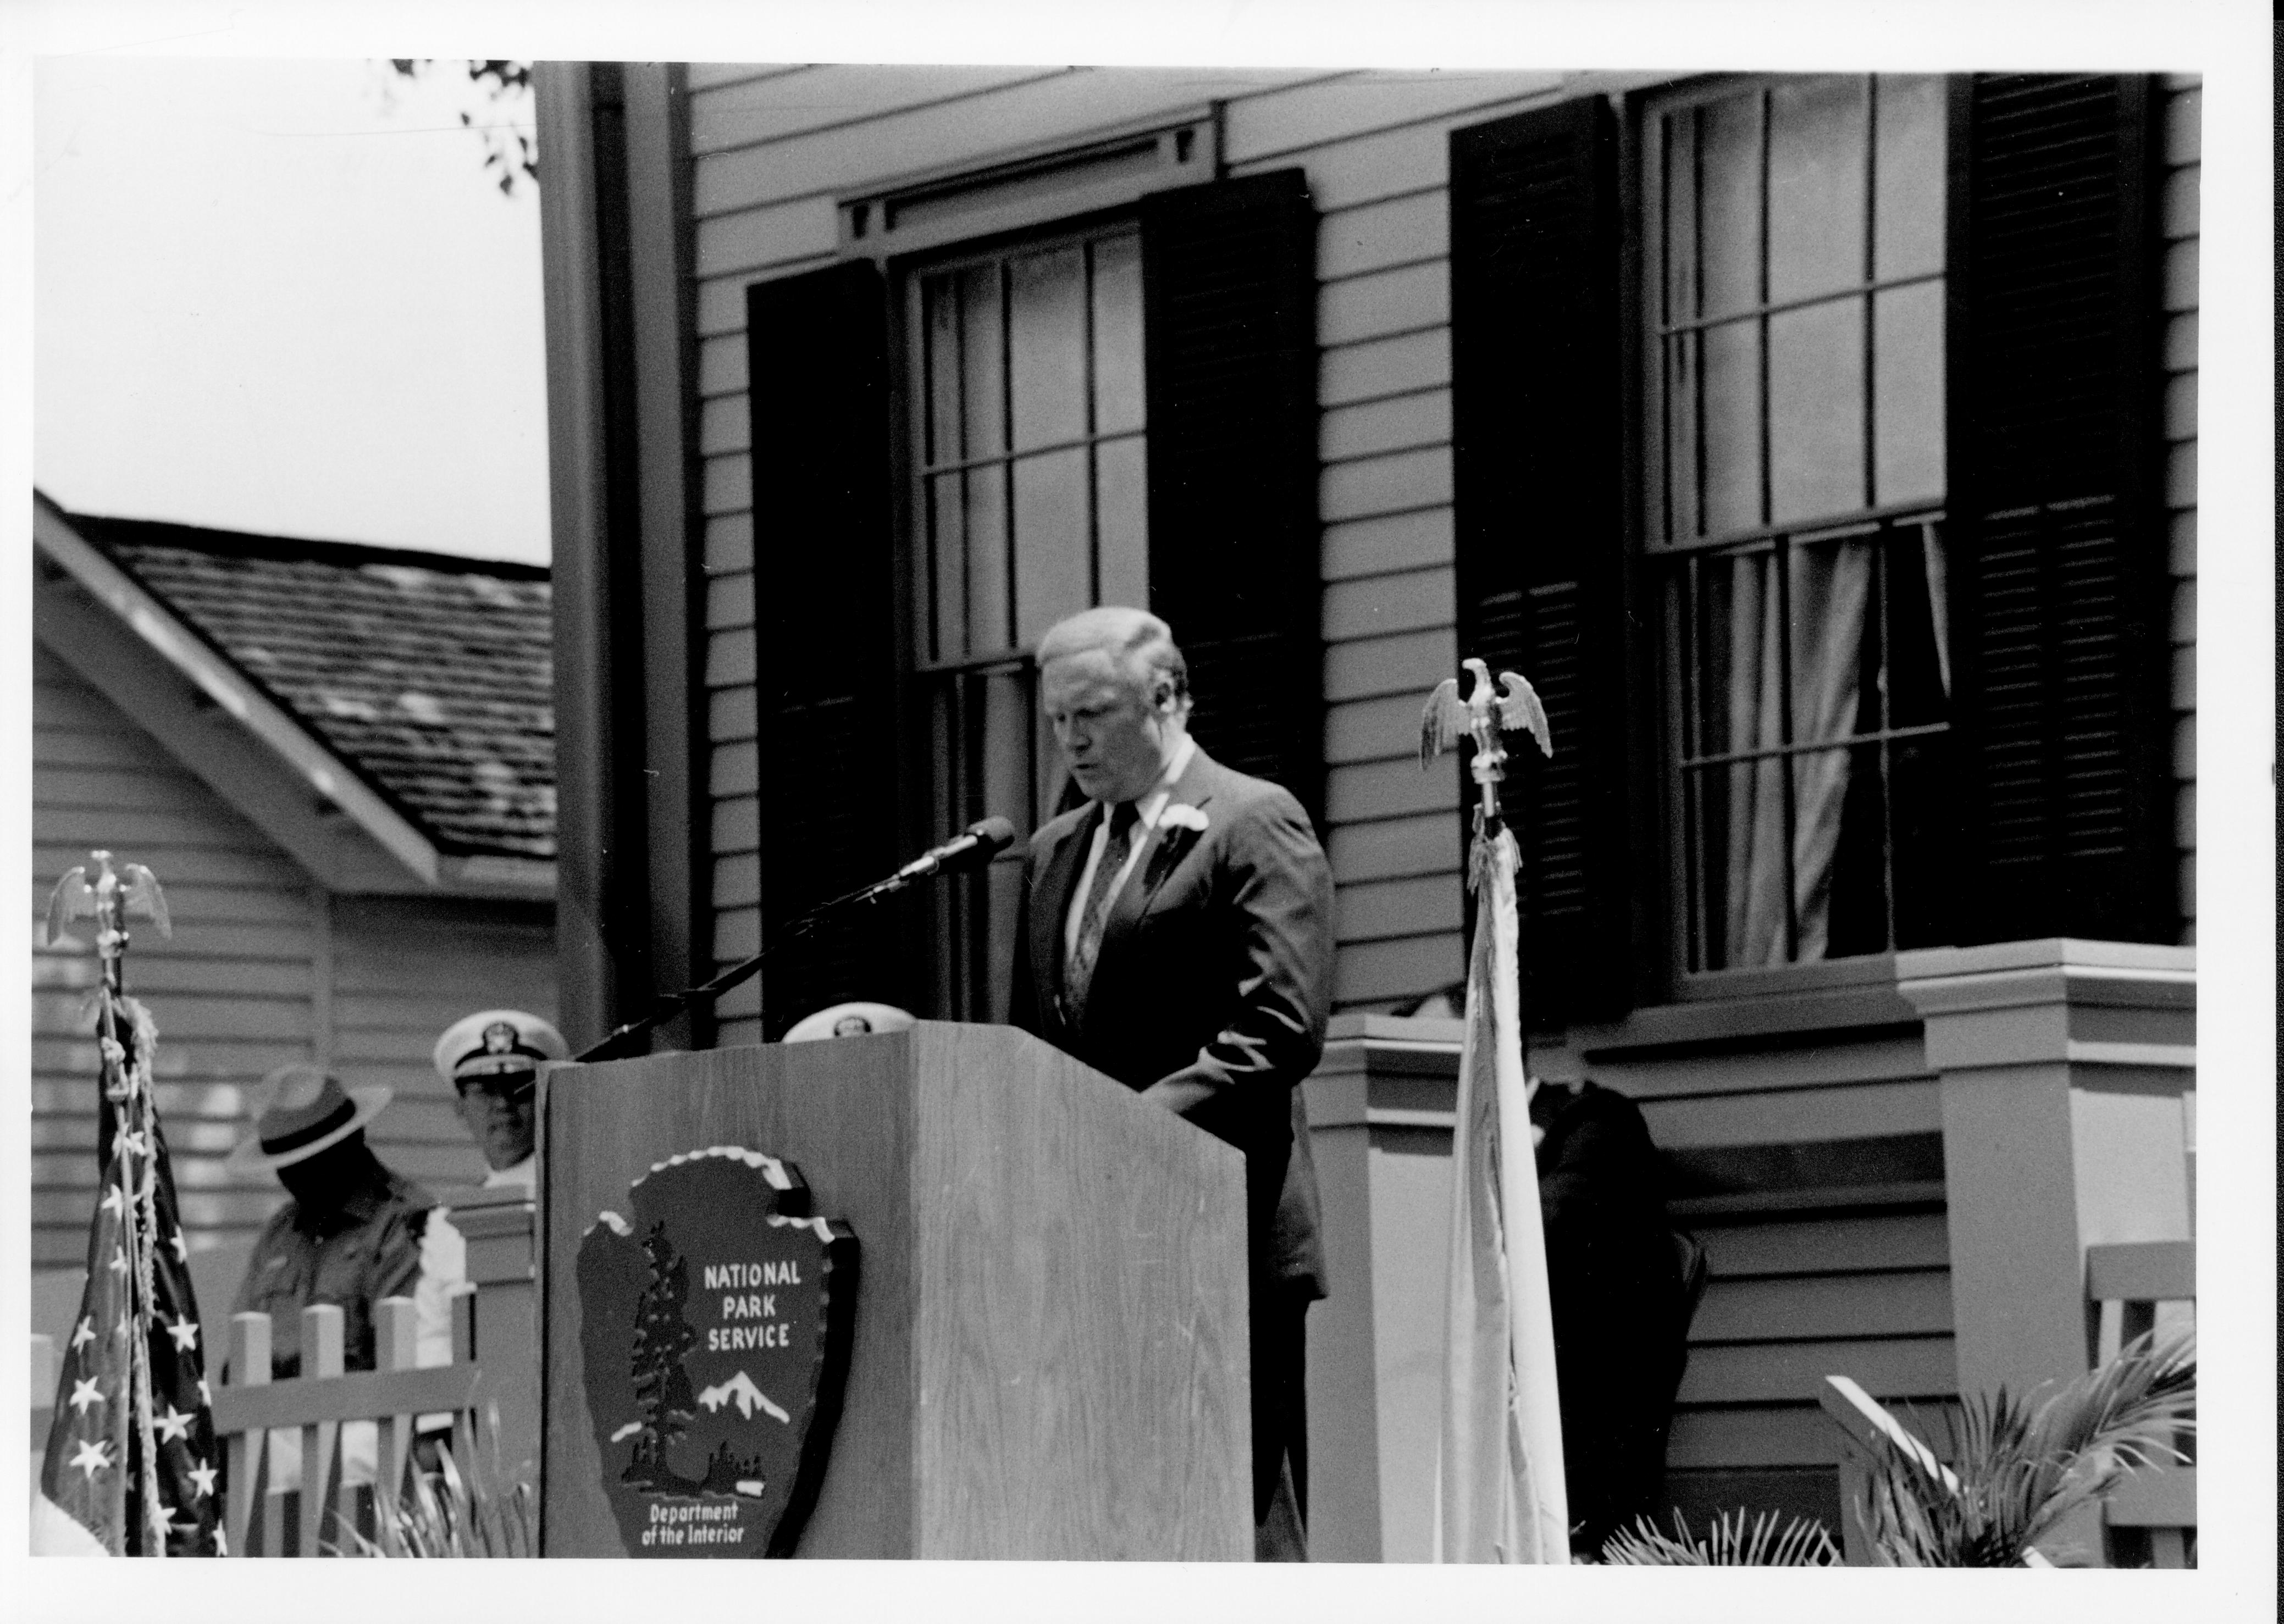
x=1175 y=932
x=492 y=1061
x=353 y=1232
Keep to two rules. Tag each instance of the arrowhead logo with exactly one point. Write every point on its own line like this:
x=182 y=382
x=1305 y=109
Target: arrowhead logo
x=715 y=1324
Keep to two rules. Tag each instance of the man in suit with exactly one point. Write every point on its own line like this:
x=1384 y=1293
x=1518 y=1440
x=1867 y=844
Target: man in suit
x=1175 y=932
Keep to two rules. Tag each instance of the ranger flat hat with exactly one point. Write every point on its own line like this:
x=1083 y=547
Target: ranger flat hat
x=300 y=1110
x=492 y=1042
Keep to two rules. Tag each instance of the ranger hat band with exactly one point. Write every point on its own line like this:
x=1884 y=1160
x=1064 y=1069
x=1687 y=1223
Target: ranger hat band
x=495 y=1042
x=300 y=1111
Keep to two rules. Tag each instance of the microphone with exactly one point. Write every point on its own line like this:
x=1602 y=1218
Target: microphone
x=983 y=841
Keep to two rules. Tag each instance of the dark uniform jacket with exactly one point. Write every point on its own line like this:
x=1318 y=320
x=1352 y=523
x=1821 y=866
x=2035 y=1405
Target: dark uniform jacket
x=367 y=1249
x=1621 y=1301
x=1215 y=966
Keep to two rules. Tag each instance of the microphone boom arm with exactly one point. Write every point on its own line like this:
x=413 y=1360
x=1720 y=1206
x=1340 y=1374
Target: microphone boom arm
x=670 y=1004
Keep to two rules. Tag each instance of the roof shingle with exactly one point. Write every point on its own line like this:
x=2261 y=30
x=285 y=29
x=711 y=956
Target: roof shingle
x=431 y=676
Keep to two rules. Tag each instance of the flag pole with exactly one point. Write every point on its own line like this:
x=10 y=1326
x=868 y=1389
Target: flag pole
x=1501 y=1496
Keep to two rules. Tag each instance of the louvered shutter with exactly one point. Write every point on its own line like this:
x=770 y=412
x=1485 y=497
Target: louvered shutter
x=825 y=636
x=1537 y=449
x=1229 y=324
x=2058 y=584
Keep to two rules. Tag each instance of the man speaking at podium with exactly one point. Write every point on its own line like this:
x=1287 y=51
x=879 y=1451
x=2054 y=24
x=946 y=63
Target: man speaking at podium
x=1175 y=932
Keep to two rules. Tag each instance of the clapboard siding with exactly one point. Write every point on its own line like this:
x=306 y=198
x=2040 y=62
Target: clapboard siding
x=2183 y=113
x=263 y=969
x=231 y=994
x=1826 y=1254
x=772 y=150
x=405 y=969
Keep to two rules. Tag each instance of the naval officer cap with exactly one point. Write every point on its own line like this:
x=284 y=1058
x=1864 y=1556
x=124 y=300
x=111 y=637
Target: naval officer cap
x=497 y=1042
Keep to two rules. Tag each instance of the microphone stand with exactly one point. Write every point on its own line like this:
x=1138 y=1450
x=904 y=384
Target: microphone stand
x=670 y=1004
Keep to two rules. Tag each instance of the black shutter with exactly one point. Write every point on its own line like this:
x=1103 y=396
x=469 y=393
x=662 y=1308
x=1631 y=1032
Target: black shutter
x=2059 y=589
x=1229 y=304
x=825 y=629
x=1538 y=465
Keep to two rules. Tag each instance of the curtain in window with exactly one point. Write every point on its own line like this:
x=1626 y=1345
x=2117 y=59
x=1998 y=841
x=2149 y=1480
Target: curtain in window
x=1829 y=586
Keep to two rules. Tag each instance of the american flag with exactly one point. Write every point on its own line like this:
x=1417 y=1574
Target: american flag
x=132 y=1468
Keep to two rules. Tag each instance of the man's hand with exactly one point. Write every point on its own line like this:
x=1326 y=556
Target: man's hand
x=1180 y=1094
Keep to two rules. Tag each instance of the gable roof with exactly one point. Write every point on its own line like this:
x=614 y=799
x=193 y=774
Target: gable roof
x=429 y=676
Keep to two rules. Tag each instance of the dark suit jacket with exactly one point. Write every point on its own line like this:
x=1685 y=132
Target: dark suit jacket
x=1215 y=966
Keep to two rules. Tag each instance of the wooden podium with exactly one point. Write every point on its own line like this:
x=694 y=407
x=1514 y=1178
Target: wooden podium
x=1049 y=1356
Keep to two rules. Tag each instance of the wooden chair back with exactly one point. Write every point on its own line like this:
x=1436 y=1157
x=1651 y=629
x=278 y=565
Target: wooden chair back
x=2132 y=1288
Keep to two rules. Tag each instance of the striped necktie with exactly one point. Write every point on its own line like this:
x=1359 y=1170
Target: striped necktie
x=1078 y=969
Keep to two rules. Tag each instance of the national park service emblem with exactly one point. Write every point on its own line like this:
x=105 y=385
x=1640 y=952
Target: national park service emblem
x=715 y=1324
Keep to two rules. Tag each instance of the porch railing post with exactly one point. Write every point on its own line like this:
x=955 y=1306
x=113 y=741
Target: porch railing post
x=2064 y=1067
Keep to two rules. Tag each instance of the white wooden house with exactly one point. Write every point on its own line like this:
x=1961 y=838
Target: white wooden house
x=1824 y=447
x=339 y=761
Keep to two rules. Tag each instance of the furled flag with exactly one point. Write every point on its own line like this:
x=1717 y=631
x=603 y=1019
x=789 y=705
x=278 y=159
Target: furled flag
x=1499 y=1490
x=131 y=1466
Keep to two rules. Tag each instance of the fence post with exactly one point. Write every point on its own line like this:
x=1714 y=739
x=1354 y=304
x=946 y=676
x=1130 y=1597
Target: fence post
x=321 y=1356
x=246 y=1452
x=396 y=1347
x=464 y=1352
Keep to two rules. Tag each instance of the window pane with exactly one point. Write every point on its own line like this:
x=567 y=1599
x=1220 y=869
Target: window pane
x=1005 y=782
x=986 y=559
x=1816 y=411
x=1908 y=224
x=948 y=572
x=1046 y=337
x=985 y=352
x=1117 y=335
x=1729 y=229
x=1816 y=187
x=1122 y=510
x=1907 y=392
x=1731 y=426
x=941 y=439
x=1052 y=561
x=1831 y=585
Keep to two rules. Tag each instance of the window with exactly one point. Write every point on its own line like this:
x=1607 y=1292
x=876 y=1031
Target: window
x=1028 y=503
x=1792 y=239
x=1848 y=613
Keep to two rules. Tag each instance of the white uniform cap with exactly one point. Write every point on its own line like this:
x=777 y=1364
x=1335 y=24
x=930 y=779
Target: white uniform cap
x=853 y=1020
x=494 y=1040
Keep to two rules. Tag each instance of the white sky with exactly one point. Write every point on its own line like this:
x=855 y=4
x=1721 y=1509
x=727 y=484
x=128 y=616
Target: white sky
x=285 y=297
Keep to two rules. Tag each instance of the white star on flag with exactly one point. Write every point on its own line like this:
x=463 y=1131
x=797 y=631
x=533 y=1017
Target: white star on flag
x=115 y=1199
x=119 y=1261
x=173 y=1424
x=94 y=1455
x=182 y=1252
x=206 y=1393
x=84 y=1335
x=136 y=1143
x=202 y=1479
x=84 y=1393
x=185 y=1332
x=161 y=1523
x=125 y=1328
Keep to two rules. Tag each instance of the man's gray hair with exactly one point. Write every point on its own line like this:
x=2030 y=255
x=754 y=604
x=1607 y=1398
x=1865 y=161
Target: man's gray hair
x=1140 y=643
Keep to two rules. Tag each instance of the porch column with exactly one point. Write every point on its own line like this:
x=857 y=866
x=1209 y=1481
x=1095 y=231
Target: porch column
x=1380 y=1127
x=2064 y=1067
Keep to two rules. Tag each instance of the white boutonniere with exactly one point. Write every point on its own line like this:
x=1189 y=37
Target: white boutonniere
x=1181 y=815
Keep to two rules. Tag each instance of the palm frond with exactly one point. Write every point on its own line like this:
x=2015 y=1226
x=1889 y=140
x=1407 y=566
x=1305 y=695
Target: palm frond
x=2021 y=1466
x=481 y=1510
x=1729 y=1541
